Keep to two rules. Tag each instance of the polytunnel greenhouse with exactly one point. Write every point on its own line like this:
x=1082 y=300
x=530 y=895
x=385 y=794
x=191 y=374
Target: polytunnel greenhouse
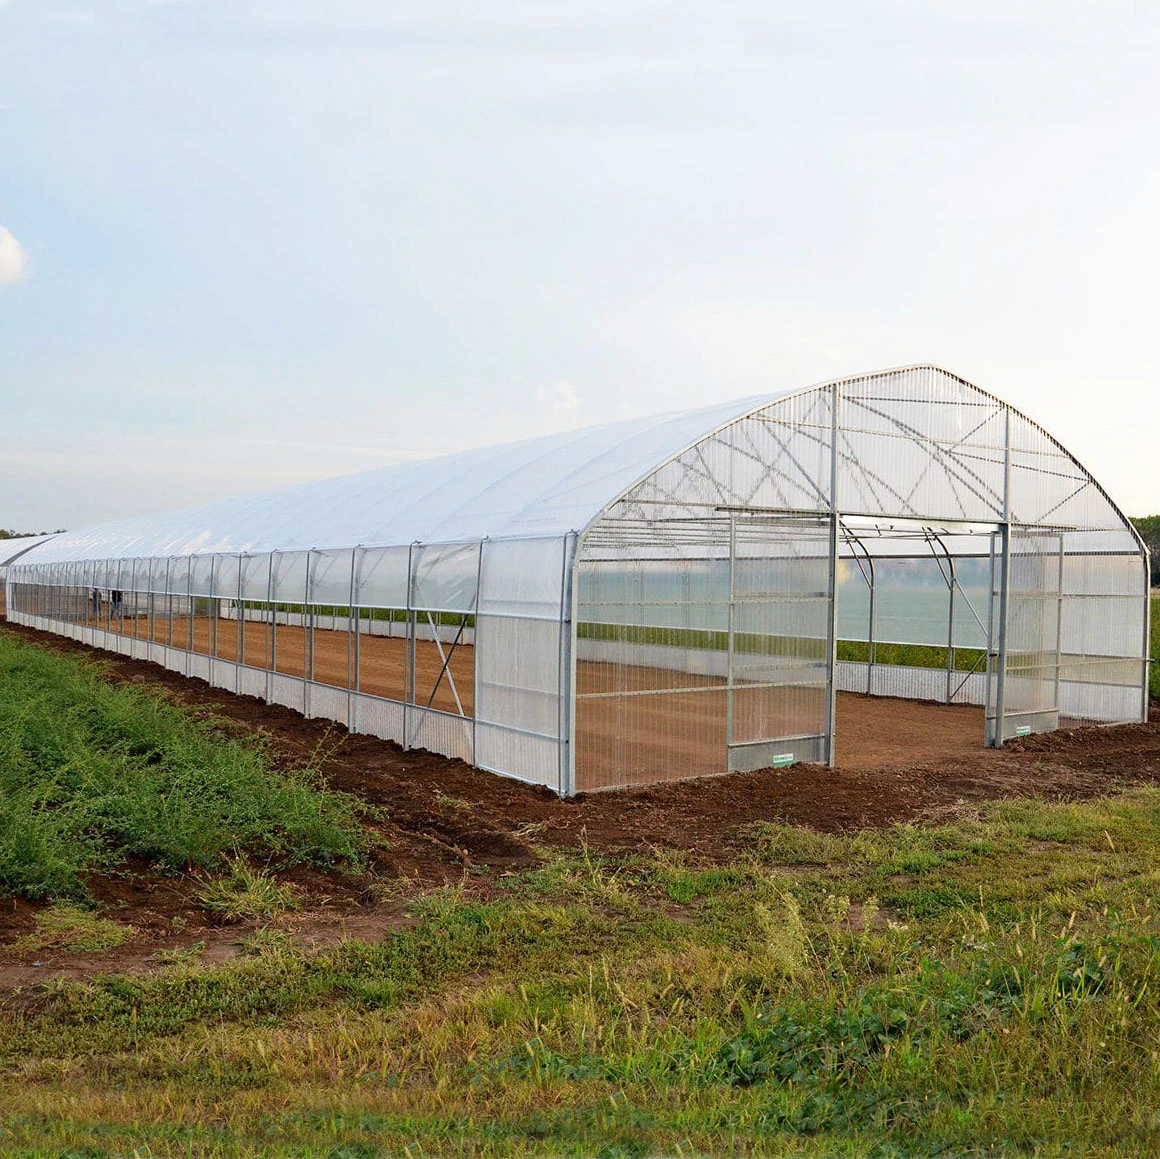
x=652 y=599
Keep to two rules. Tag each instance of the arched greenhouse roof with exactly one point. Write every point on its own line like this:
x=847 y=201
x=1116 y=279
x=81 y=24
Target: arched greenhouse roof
x=545 y=486
x=922 y=441
x=12 y=549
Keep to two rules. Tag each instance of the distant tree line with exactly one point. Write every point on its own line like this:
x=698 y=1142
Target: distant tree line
x=8 y=533
x=1149 y=528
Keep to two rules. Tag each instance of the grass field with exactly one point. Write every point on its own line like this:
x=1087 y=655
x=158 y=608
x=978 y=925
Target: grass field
x=990 y=985
x=92 y=774
x=986 y=984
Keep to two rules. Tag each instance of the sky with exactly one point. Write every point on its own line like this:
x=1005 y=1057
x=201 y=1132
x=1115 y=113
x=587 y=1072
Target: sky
x=252 y=242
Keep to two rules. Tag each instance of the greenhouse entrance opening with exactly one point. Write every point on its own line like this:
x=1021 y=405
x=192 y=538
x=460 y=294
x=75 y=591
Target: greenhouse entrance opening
x=704 y=645
x=919 y=612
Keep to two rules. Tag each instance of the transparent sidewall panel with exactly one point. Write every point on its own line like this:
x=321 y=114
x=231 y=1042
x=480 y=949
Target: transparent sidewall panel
x=1026 y=693
x=652 y=636
x=779 y=663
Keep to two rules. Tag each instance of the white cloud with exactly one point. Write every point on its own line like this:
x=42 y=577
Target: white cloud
x=13 y=262
x=557 y=397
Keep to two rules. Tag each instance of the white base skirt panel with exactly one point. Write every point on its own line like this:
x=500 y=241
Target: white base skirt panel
x=912 y=683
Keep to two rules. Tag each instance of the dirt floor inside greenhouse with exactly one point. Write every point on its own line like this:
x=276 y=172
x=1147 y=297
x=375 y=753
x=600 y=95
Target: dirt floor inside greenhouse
x=445 y=822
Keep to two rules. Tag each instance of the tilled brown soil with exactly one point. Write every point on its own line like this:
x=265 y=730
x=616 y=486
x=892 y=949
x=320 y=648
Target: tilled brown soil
x=442 y=819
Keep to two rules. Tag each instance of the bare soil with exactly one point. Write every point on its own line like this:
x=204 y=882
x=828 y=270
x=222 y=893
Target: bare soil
x=443 y=821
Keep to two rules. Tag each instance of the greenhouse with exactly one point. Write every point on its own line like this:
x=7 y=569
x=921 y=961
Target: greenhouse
x=647 y=600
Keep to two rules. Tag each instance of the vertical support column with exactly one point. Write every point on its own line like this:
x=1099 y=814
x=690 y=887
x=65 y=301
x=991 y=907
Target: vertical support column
x=1147 y=631
x=271 y=592
x=954 y=583
x=240 y=612
x=352 y=626
x=730 y=628
x=214 y=604
x=308 y=635
x=475 y=650
x=1000 y=729
x=1058 y=629
x=569 y=603
x=832 y=627
x=409 y=707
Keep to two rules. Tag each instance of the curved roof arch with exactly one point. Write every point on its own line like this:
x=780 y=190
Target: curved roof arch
x=765 y=453
x=547 y=486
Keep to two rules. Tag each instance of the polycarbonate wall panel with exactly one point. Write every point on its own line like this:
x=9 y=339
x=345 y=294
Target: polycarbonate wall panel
x=522 y=577
x=445 y=578
x=288 y=691
x=644 y=593
x=383 y=577
x=1103 y=629
x=519 y=659
x=777 y=459
x=920 y=443
x=330 y=577
x=779 y=663
x=226 y=575
x=288 y=577
x=252 y=682
x=1032 y=660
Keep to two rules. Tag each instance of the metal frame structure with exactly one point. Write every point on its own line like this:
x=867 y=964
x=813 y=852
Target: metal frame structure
x=646 y=600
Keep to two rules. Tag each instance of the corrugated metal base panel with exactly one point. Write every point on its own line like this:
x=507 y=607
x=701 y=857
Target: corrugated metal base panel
x=331 y=703
x=1100 y=703
x=288 y=690
x=913 y=683
x=440 y=732
x=156 y=654
x=223 y=674
x=176 y=660
x=519 y=754
x=377 y=717
x=198 y=666
x=252 y=682
x=139 y=649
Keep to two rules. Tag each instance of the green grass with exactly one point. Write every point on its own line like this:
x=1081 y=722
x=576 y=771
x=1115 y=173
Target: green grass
x=78 y=931
x=248 y=894
x=988 y=986
x=93 y=773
